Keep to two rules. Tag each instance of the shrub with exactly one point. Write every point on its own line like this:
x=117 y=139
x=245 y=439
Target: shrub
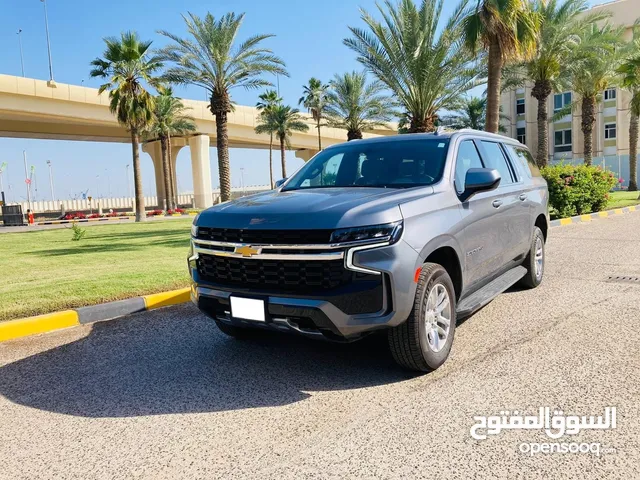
x=155 y=213
x=78 y=233
x=578 y=189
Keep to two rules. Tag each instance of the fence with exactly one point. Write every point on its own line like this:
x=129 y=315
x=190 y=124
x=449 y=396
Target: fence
x=618 y=164
x=126 y=202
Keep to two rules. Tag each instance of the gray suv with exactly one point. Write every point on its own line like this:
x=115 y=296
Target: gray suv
x=407 y=233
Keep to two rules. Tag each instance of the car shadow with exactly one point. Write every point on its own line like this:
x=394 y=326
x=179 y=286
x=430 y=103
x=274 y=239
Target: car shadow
x=176 y=361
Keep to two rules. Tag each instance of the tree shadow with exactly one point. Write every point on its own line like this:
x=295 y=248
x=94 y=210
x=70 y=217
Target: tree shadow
x=176 y=361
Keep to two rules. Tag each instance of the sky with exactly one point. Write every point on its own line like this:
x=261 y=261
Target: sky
x=308 y=37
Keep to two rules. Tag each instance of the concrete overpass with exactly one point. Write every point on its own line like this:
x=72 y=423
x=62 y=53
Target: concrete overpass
x=29 y=108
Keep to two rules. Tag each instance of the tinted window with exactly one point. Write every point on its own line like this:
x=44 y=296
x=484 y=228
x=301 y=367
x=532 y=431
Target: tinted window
x=391 y=164
x=523 y=157
x=468 y=157
x=496 y=159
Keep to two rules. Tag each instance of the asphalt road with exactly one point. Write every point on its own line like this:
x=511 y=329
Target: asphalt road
x=164 y=395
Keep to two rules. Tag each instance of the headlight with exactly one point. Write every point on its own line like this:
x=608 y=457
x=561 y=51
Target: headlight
x=388 y=232
x=194 y=227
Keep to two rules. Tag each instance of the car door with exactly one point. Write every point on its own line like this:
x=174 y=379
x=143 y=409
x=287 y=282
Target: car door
x=480 y=237
x=513 y=214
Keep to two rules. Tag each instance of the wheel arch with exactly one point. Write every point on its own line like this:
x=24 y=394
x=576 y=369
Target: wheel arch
x=541 y=223
x=448 y=258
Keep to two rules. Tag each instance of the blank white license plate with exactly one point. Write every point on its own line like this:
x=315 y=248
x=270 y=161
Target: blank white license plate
x=247 y=308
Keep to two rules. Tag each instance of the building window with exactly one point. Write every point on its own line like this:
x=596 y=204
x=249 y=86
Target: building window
x=520 y=135
x=520 y=106
x=561 y=100
x=562 y=141
x=610 y=94
x=610 y=131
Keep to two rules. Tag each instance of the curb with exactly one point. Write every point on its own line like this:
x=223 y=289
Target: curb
x=104 y=219
x=588 y=218
x=50 y=322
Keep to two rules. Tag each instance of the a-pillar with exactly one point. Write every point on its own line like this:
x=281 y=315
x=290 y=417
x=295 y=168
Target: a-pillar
x=201 y=169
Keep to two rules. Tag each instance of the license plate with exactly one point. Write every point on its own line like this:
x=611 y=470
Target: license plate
x=247 y=308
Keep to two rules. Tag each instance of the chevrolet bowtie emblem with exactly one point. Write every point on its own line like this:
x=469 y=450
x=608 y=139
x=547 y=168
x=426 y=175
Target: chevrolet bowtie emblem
x=247 y=250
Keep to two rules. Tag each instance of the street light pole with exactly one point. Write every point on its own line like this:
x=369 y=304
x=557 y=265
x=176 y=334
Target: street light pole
x=53 y=197
x=51 y=82
x=21 y=54
x=26 y=178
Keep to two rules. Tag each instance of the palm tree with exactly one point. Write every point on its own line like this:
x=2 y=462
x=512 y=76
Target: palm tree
x=127 y=64
x=592 y=70
x=561 y=25
x=472 y=114
x=283 y=120
x=630 y=79
x=268 y=100
x=420 y=59
x=212 y=59
x=169 y=119
x=507 y=29
x=354 y=105
x=314 y=100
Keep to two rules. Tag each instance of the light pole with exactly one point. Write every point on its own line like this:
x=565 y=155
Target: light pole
x=21 y=55
x=51 y=82
x=3 y=167
x=242 y=181
x=128 y=182
x=27 y=180
x=53 y=197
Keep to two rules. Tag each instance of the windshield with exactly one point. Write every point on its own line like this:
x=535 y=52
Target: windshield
x=393 y=164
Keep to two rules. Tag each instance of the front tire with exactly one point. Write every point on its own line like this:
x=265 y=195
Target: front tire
x=424 y=341
x=534 y=263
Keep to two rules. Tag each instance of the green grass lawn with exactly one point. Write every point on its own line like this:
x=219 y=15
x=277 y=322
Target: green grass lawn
x=44 y=271
x=623 y=199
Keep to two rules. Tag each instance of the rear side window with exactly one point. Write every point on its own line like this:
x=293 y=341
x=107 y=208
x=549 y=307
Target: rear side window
x=523 y=157
x=496 y=159
x=468 y=157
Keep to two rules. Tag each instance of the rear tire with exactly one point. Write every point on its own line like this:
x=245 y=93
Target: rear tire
x=534 y=263
x=424 y=341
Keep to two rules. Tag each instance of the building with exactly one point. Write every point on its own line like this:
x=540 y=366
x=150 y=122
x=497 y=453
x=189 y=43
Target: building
x=566 y=142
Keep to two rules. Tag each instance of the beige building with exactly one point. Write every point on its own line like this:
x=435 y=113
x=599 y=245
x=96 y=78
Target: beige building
x=611 y=132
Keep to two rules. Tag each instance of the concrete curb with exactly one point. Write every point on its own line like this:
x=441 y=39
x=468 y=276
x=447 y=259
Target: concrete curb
x=104 y=219
x=588 y=218
x=25 y=327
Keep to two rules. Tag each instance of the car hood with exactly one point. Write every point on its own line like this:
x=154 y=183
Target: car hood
x=319 y=208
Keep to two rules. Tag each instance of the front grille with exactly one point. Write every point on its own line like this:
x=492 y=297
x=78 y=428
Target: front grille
x=281 y=275
x=265 y=237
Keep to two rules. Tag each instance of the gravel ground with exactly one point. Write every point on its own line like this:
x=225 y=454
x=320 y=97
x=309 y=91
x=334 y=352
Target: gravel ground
x=163 y=394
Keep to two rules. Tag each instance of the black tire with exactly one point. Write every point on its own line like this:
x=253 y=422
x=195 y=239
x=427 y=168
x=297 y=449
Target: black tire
x=238 y=333
x=408 y=342
x=531 y=280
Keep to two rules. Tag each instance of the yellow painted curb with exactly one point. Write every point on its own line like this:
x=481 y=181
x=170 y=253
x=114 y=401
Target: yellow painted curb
x=42 y=323
x=176 y=214
x=632 y=209
x=603 y=214
x=565 y=221
x=165 y=299
x=585 y=218
x=618 y=211
x=193 y=213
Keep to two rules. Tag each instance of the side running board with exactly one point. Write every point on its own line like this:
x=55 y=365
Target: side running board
x=490 y=291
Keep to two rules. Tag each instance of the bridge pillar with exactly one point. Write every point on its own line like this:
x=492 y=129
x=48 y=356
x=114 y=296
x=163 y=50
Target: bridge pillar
x=201 y=169
x=154 y=149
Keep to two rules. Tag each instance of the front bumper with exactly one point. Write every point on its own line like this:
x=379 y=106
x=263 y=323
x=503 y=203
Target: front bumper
x=325 y=315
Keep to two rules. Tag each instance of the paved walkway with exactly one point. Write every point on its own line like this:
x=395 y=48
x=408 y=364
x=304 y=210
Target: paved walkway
x=165 y=395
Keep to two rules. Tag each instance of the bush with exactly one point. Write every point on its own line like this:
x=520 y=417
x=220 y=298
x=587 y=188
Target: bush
x=78 y=233
x=578 y=189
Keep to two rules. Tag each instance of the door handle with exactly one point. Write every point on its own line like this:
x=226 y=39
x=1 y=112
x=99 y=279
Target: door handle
x=497 y=203
x=523 y=196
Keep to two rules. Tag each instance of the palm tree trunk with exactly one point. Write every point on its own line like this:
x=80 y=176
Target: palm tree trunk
x=165 y=173
x=493 y=89
x=633 y=153
x=422 y=125
x=271 y=159
x=354 y=135
x=588 y=120
x=141 y=215
x=173 y=194
x=282 y=157
x=319 y=136
x=541 y=91
x=222 y=142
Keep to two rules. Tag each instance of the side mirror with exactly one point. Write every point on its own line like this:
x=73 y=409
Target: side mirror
x=280 y=182
x=479 y=180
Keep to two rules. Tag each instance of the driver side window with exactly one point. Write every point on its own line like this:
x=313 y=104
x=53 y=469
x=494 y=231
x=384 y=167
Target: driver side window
x=468 y=157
